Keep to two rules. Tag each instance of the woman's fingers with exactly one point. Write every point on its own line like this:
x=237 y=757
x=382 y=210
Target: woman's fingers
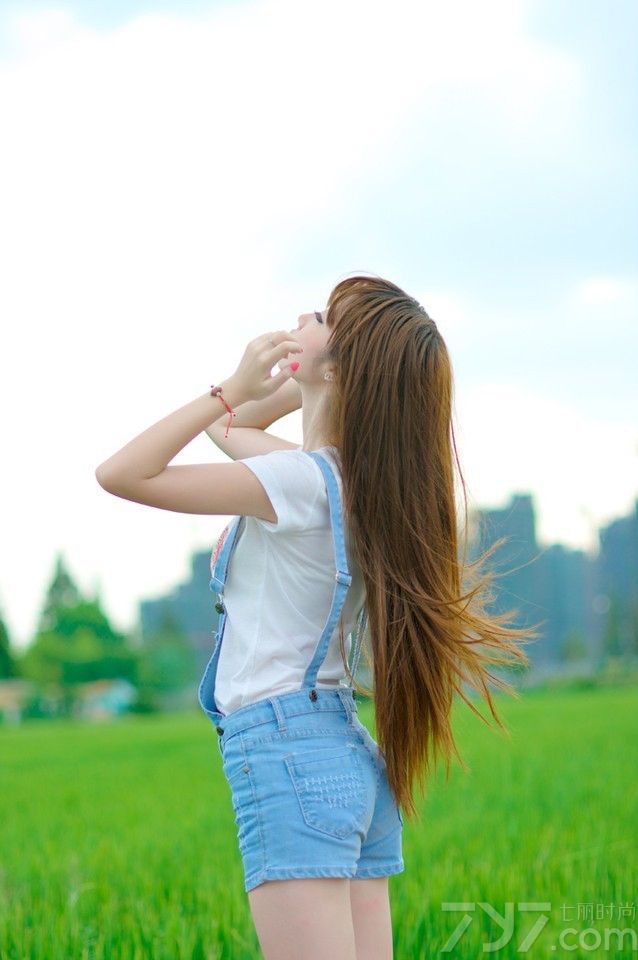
x=280 y=378
x=283 y=345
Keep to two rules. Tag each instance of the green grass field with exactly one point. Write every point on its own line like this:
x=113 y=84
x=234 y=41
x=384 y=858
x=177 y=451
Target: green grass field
x=118 y=840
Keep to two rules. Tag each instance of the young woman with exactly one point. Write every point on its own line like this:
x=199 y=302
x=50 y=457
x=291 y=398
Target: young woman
x=353 y=534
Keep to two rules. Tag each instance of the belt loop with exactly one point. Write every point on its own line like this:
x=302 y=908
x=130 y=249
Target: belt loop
x=346 y=699
x=279 y=715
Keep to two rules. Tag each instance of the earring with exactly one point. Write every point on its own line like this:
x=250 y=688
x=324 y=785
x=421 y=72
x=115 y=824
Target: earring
x=328 y=376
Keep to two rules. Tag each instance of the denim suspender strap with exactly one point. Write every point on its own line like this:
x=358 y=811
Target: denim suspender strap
x=217 y=584
x=342 y=577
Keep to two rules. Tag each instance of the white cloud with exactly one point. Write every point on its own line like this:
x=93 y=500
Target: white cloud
x=603 y=290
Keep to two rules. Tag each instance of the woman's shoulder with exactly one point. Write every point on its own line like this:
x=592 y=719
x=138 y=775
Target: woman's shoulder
x=299 y=455
x=295 y=467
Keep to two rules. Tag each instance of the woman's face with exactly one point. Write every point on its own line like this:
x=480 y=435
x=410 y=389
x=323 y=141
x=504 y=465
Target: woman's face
x=312 y=334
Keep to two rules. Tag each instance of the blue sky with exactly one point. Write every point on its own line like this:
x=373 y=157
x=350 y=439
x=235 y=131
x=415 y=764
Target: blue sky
x=179 y=178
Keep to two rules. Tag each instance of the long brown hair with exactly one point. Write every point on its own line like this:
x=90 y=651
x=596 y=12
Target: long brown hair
x=389 y=415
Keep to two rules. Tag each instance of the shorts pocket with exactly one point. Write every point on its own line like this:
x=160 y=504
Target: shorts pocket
x=330 y=786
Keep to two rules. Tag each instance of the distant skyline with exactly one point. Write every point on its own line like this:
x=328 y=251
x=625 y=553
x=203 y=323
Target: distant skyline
x=179 y=178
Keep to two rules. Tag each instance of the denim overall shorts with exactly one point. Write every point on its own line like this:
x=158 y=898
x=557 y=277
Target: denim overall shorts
x=308 y=783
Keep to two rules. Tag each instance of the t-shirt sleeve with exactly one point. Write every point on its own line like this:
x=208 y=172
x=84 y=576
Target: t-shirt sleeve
x=293 y=483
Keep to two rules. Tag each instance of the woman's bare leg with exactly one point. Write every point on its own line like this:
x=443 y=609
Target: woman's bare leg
x=371 y=918
x=309 y=919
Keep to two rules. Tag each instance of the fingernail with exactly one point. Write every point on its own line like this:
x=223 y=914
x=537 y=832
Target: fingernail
x=294 y=365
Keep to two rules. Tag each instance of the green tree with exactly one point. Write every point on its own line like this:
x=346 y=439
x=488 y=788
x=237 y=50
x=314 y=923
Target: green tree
x=75 y=642
x=62 y=593
x=82 y=646
x=8 y=666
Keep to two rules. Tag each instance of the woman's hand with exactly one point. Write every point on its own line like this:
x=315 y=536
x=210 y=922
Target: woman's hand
x=252 y=377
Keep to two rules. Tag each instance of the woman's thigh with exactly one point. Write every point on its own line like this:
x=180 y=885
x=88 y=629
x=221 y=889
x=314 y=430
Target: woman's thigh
x=371 y=918
x=304 y=919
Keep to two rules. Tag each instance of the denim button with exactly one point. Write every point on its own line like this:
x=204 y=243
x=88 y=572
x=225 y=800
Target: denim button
x=220 y=730
x=219 y=607
x=313 y=694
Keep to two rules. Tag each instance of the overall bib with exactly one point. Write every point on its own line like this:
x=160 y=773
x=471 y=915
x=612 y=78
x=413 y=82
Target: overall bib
x=308 y=783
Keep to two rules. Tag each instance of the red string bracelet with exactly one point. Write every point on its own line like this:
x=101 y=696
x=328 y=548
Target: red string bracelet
x=217 y=392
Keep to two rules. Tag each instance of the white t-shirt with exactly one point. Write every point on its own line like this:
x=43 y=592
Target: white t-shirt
x=280 y=584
